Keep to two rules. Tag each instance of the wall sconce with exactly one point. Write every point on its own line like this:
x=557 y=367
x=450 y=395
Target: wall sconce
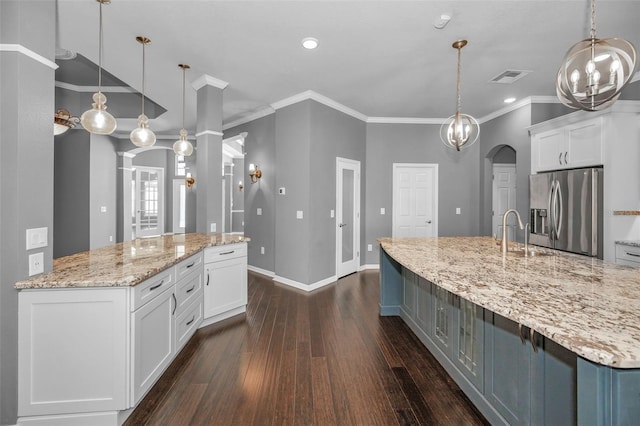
x=254 y=173
x=240 y=186
x=189 y=180
x=63 y=121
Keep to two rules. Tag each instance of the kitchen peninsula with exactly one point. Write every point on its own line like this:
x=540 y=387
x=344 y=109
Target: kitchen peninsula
x=548 y=339
x=98 y=331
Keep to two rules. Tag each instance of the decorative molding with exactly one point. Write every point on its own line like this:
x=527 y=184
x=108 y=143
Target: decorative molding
x=405 y=120
x=209 y=132
x=261 y=271
x=126 y=154
x=93 y=89
x=310 y=94
x=305 y=287
x=28 y=52
x=251 y=117
x=369 y=267
x=207 y=80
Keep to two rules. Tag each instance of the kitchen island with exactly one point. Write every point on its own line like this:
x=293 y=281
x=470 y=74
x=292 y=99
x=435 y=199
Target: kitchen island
x=97 y=332
x=548 y=339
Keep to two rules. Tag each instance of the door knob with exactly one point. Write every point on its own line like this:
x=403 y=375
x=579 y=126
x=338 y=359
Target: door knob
x=342 y=224
x=428 y=221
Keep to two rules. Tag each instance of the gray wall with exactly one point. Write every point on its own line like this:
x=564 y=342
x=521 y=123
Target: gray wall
x=102 y=193
x=458 y=184
x=72 y=179
x=26 y=168
x=333 y=134
x=509 y=129
x=505 y=155
x=260 y=148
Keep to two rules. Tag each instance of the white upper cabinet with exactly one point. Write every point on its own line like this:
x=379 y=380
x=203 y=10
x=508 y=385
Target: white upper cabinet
x=568 y=147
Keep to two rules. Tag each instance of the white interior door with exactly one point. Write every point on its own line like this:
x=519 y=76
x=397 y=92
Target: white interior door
x=179 y=206
x=149 y=201
x=504 y=198
x=415 y=200
x=347 y=216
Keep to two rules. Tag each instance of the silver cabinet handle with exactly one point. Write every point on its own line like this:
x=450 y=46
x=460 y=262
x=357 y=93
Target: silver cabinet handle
x=175 y=303
x=156 y=286
x=192 y=320
x=521 y=334
x=560 y=159
x=532 y=339
x=208 y=276
x=565 y=157
x=227 y=252
x=633 y=254
x=191 y=264
x=191 y=289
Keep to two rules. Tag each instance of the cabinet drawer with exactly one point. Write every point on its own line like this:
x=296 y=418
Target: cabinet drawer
x=187 y=266
x=628 y=254
x=187 y=290
x=224 y=252
x=187 y=323
x=149 y=289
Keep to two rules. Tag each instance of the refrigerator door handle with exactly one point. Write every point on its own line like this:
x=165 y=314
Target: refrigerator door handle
x=559 y=200
x=550 y=209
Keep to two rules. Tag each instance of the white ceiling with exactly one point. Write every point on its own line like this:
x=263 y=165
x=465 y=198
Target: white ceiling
x=380 y=58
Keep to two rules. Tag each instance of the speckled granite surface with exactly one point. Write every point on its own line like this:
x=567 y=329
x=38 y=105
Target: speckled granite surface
x=588 y=306
x=125 y=264
x=632 y=243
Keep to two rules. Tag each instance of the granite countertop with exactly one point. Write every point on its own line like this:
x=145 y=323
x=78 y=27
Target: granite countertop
x=588 y=306
x=632 y=243
x=125 y=264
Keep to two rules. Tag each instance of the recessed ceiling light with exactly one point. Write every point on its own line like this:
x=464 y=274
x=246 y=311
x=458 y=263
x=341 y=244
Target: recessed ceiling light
x=310 y=43
x=509 y=100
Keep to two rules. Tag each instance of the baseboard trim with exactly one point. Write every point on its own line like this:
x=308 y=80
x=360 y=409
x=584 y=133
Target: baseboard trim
x=305 y=287
x=369 y=266
x=109 y=418
x=261 y=271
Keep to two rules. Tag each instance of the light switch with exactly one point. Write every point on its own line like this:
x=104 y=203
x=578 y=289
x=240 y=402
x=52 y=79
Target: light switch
x=282 y=191
x=103 y=209
x=259 y=211
x=369 y=247
x=458 y=210
x=213 y=227
x=382 y=211
x=332 y=213
x=36 y=238
x=261 y=250
x=299 y=214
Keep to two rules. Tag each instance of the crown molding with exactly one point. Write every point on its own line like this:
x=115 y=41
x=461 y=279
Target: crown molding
x=251 y=117
x=29 y=53
x=93 y=89
x=405 y=120
x=207 y=80
x=310 y=94
x=209 y=132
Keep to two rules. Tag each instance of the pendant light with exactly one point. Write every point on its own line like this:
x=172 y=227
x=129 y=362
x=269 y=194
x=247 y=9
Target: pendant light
x=97 y=120
x=63 y=121
x=460 y=130
x=182 y=146
x=594 y=71
x=142 y=136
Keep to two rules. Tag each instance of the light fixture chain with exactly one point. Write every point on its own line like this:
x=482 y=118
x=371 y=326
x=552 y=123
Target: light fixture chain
x=100 y=52
x=143 y=62
x=183 y=97
x=593 y=19
x=459 y=102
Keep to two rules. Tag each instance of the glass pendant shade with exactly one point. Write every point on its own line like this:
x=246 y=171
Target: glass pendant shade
x=97 y=120
x=460 y=130
x=142 y=136
x=594 y=72
x=182 y=146
x=63 y=121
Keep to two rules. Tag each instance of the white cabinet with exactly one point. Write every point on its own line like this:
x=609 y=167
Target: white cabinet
x=627 y=255
x=570 y=146
x=225 y=289
x=73 y=351
x=152 y=335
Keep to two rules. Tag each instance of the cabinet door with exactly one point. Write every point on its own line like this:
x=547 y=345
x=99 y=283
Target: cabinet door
x=423 y=305
x=409 y=293
x=442 y=319
x=225 y=286
x=584 y=143
x=547 y=151
x=469 y=340
x=507 y=369
x=72 y=349
x=153 y=342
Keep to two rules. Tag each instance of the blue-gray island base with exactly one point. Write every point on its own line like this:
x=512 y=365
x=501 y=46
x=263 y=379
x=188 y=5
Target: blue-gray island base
x=509 y=369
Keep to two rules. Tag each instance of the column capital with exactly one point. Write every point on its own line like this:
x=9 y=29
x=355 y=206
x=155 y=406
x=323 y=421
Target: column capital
x=207 y=80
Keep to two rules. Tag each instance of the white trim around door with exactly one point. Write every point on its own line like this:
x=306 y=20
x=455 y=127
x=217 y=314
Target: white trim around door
x=415 y=200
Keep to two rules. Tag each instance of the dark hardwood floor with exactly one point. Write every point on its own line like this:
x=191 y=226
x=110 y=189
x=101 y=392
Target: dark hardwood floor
x=324 y=358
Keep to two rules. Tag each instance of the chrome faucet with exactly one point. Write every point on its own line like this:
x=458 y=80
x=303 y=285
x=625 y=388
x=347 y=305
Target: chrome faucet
x=504 y=228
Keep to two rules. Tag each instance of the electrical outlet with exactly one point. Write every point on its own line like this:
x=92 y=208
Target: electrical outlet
x=369 y=247
x=261 y=250
x=299 y=214
x=36 y=263
x=383 y=211
x=36 y=238
x=458 y=210
x=259 y=211
x=332 y=214
x=213 y=227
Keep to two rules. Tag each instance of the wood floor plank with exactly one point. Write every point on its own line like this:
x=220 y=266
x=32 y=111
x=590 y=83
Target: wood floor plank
x=323 y=358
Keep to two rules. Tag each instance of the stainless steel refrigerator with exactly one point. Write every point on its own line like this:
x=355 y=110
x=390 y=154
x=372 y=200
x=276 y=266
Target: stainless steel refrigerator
x=566 y=210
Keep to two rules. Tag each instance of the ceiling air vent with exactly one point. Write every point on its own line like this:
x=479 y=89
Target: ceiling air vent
x=509 y=76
